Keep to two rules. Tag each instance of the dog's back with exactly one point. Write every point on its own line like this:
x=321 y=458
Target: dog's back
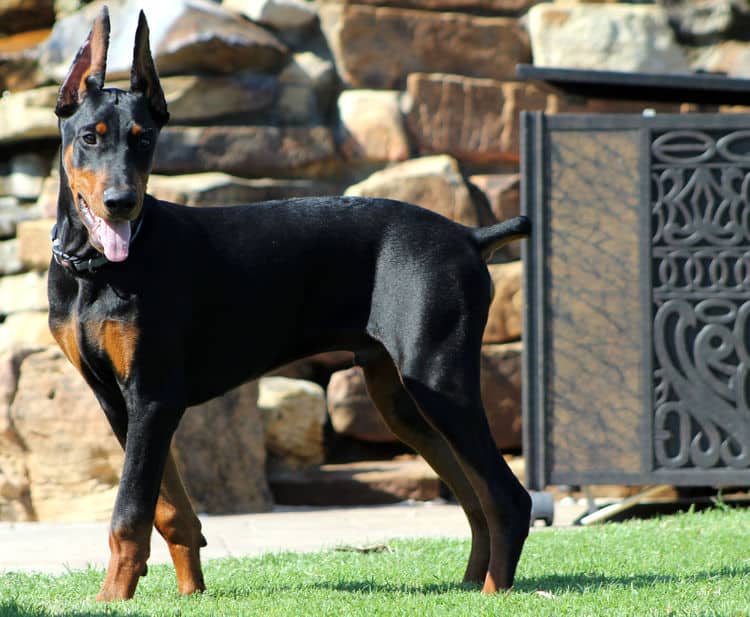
x=271 y=282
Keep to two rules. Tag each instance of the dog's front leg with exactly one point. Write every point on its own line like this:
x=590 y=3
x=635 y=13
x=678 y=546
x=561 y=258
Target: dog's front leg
x=149 y=434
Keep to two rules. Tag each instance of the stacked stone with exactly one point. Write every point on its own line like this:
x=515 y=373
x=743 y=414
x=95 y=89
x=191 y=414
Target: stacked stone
x=408 y=99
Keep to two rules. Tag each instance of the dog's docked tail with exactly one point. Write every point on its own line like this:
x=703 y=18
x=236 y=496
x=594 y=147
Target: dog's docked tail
x=493 y=237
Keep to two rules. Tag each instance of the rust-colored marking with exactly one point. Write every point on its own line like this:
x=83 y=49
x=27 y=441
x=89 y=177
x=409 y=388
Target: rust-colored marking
x=136 y=130
x=101 y=128
x=87 y=183
x=119 y=343
x=127 y=563
x=176 y=521
x=66 y=336
x=490 y=586
x=117 y=339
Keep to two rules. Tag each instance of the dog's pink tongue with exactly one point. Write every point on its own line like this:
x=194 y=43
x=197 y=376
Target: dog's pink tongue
x=115 y=239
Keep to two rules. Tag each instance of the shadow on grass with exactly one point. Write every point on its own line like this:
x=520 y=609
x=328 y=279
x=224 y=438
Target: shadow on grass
x=11 y=609
x=556 y=584
x=579 y=583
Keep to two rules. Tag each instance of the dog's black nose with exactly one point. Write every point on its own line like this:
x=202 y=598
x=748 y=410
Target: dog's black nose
x=120 y=201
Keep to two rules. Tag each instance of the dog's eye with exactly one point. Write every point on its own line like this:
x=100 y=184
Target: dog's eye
x=89 y=138
x=144 y=143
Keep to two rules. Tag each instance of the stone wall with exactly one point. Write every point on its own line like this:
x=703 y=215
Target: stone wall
x=409 y=99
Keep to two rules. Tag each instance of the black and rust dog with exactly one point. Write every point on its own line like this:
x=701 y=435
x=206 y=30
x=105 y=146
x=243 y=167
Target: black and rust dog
x=161 y=306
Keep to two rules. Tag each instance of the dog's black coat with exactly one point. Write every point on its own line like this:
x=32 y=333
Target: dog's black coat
x=203 y=299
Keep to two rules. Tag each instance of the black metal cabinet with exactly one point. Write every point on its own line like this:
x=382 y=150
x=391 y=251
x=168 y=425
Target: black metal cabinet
x=637 y=326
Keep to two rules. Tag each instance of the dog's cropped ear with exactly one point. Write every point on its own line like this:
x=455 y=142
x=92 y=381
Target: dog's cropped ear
x=89 y=66
x=143 y=75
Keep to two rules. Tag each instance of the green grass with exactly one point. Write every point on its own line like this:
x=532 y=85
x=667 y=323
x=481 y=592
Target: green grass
x=690 y=564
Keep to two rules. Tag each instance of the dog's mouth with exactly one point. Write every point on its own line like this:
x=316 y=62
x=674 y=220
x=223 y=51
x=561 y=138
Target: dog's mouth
x=109 y=237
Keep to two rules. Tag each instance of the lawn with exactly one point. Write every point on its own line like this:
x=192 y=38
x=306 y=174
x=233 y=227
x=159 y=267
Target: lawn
x=694 y=564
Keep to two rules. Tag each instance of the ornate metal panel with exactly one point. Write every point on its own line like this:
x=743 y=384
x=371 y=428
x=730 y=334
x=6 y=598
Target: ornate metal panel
x=637 y=353
x=700 y=247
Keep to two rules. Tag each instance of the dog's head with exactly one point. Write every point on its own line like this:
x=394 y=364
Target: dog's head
x=108 y=138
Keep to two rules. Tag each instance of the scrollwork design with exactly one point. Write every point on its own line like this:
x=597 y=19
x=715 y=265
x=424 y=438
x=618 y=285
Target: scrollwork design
x=701 y=270
x=703 y=362
x=700 y=246
x=701 y=205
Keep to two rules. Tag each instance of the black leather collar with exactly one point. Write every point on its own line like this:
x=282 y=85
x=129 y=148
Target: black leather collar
x=77 y=264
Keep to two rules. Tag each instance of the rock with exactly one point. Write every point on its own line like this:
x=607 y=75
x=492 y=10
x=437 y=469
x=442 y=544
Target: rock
x=28 y=115
x=15 y=487
x=577 y=105
x=503 y=194
x=371 y=127
x=493 y=7
x=46 y=204
x=10 y=369
x=474 y=120
x=191 y=98
x=279 y=14
x=504 y=321
x=73 y=460
x=23 y=175
x=352 y=484
x=501 y=393
x=216 y=189
x=700 y=22
x=308 y=70
x=22 y=15
x=248 y=151
x=187 y=36
x=10 y=263
x=294 y=412
x=503 y=191
x=219 y=449
x=297 y=104
x=19 y=61
x=72 y=457
x=12 y=213
x=352 y=411
x=201 y=98
x=23 y=292
x=35 y=246
x=433 y=182
x=25 y=330
x=615 y=37
x=729 y=57
x=63 y=8
x=419 y=41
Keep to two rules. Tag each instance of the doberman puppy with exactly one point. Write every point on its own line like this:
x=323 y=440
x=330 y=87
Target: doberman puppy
x=161 y=306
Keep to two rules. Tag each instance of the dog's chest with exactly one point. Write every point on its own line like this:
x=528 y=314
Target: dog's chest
x=97 y=338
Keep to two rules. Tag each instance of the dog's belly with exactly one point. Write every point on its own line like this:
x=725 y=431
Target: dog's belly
x=233 y=343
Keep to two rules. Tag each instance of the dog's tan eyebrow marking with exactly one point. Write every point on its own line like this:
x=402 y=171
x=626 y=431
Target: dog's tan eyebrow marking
x=136 y=129
x=101 y=128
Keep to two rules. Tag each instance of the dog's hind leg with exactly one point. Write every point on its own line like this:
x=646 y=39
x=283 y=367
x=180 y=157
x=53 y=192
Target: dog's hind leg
x=506 y=504
x=437 y=350
x=177 y=523
x=407 y=423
